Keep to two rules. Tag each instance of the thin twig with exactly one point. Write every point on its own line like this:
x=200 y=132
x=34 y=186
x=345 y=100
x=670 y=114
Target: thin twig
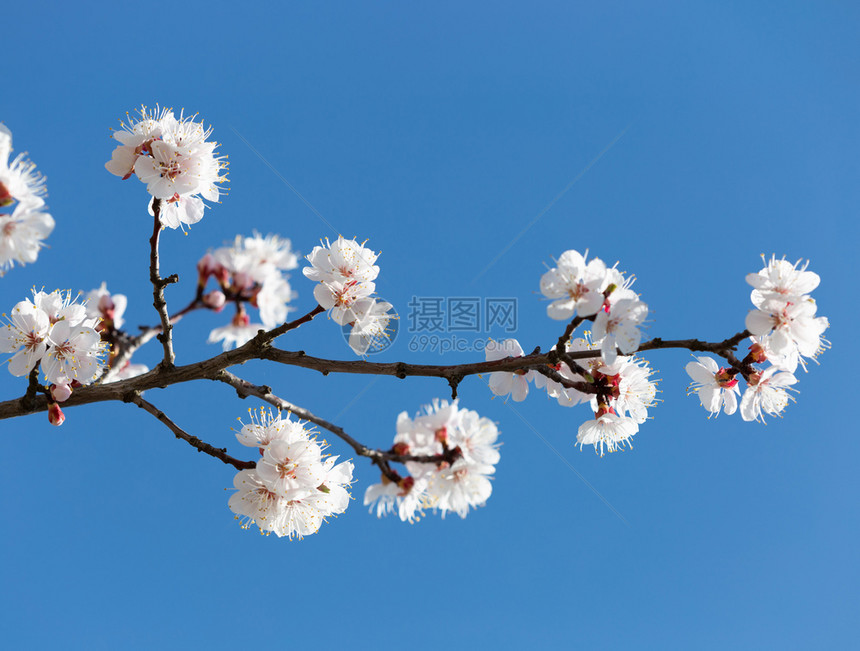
x=193 y=441
x=158 y=285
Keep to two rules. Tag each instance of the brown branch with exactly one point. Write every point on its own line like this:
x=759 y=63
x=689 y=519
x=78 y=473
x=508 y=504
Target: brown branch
x=193 y=441
x=163 y=376
x=158 y=285
x=378 y=457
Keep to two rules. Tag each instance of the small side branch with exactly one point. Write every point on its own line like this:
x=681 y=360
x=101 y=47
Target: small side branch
x=193 y=441
x=158 y=285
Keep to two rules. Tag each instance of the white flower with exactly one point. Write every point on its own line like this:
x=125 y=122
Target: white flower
x=294 y=469
x=503 y=383
x=343 y=299
x=767 y=392
x=22 y=190
x=609 y=431
x=267 y=427
x=789 y=331
x=577 y=287
x=26 y=336
x=717 y=388
x=101 y=304
x=174 y=159
x=619 y=327
x=636 y=391
x=781 y=280
x=443 y=486
x=237 y=333
x=370 y=328
x=294 y=487
x=408 y=498
x=256 y=501
x=342 y=261
x=74 y=354
x=128 y=371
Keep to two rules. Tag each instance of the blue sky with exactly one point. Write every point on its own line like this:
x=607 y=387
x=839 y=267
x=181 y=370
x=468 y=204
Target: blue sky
x=439 y=133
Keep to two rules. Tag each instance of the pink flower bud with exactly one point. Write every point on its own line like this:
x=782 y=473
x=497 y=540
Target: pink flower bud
x=55 y=414
x=215 y=300
x=61 y=392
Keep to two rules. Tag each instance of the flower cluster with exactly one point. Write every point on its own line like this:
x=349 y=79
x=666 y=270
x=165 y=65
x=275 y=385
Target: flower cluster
x=175 y=160
x=22 y=192
x=107 y=311
x=55 y=332
x=594 y=291
x=785 y=331
x=464 y=453
x=618 y=388
x=619 y=393
x=294 y=487
x=345 y=271
x=250 y=271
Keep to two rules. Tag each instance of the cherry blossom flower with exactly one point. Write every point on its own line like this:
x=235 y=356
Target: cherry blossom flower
x=175 y=160
x=609 y=432
x=407 y=498
x=53 y=330
x=294 y=488
x=101 y=304
x=716 y=386
x=515 y=384
x=26 y=336
x=781 y=280
x=342 y=261
x=237 y=333
x=459 y=485
x=24 y=227
x=74 y=354
x=370 y=330
x=789 y=331
x=636 y=391
x=619 y=327
x=766 y=392
x=576 y=286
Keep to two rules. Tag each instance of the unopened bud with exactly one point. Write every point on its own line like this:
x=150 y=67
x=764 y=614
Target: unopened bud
x=55 y=414
x=206 y=266
x=215 y=300
x=757 y=353
x=406 y=485
x=400 y=448
x=726 y=378
x=6 y=198
x=61 y=392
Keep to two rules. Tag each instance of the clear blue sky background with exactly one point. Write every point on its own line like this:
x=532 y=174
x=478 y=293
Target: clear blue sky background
x=439 y=133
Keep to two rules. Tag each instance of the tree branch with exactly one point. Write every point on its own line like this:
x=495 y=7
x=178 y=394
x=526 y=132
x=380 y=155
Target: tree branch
x=158 y=285
x=259 y=348
x=193 y=441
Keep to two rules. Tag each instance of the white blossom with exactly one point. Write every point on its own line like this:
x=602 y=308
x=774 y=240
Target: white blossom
x=575 y=286
x=24 y=224
x=781 y=280
x=717 y=388
x=609 y=432
x=370 y=330
x=443 y=486
x=767 y=392
x=619 y=327
x=174 y=159
x=294 y=487
x=516 y=383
